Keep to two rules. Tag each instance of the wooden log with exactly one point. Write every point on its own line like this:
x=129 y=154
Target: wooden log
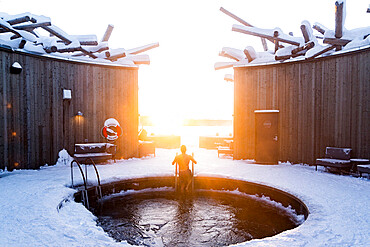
x=338 y=19
x=285 y=57
x=223 y=65
x=22 y=44
x=19 y=20
x=117 y=56
x=88 y=40
x=276 y=41
x=264 y=44
x=97 y=49
x=306 y=36
x=50 y=49
x=90 y=54
x=5 y=26
x=229 y=77
x=70 y=49
x=244 y=30
x=232 y=53
x=318 y=28
x=250 y=53
x=334 y=41
x=225 y=54
x=107 y=33
x=54 y=30
x=140 y=59
x=28 y=28
x=322 y=51
x=32 y=26
x=306 y=47
x=263 y=40
x=141 y=49
x=63 y=50
x=15 y=36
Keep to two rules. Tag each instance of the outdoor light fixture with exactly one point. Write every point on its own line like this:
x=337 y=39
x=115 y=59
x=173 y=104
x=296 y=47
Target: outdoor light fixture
x=79 y=113
x=67 y=94
x=16 y=68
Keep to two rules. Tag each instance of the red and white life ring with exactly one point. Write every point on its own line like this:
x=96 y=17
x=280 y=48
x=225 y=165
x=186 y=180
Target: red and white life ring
x=111 y=130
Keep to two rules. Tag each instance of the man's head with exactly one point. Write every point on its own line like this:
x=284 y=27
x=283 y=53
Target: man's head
x=183 y=149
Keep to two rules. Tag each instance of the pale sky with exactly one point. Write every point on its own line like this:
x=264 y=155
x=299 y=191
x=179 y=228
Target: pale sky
x=181 y=81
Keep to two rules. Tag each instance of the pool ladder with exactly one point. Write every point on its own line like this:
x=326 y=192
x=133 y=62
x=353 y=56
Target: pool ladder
x=84 y=193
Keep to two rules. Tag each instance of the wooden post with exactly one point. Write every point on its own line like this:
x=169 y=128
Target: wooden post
x=338 y=19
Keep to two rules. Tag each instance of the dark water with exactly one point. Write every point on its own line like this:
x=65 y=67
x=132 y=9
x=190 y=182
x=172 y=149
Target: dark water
x=162 y=218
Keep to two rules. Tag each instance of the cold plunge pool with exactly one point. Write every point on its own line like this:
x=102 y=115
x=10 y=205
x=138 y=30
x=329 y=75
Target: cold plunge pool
x=220 y=212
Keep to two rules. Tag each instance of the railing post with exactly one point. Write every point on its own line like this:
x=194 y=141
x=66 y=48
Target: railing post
x=176 y=174
x=192 y=174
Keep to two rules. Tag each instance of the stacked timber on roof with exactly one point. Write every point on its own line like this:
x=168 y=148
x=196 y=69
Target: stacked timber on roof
x=288 y=47
x=21 y=32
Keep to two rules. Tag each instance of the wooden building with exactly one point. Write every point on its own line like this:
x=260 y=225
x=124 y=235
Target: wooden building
x=36 y=122
x=321 y=102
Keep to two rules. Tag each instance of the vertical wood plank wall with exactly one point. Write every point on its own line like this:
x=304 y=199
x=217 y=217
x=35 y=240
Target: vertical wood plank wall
x=322 y=102
x=36 y=123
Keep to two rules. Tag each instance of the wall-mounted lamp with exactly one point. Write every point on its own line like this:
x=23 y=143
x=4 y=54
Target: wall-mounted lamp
x=67 y=94
x=79 y=114
x=16 y=68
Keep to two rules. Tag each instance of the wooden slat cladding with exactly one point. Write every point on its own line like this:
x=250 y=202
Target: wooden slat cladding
x=35 y=121
x=322 y=102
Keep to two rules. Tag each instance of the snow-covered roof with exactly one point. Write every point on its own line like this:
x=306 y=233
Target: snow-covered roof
x=20 y=32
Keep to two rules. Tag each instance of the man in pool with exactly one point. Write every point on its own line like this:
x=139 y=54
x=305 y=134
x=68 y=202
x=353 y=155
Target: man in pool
x=183 y=160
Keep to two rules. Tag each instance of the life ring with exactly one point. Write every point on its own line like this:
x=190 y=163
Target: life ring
x=111 y=130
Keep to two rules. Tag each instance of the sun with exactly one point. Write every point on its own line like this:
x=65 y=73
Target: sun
x=167 y=124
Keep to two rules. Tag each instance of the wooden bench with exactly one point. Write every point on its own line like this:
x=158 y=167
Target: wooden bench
x=98 y=152
x=363 y=169
x=339 y=158
x=228 y=150
x=146 y=148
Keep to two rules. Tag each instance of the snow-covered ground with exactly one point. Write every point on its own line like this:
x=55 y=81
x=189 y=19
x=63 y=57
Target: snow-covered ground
x=339 y=205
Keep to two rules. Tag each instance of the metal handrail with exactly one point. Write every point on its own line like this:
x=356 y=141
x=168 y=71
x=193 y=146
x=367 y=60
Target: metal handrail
x=97 y=175
x=82 y=173
x=192 y=174
x=176 y=171
x=84 y=194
